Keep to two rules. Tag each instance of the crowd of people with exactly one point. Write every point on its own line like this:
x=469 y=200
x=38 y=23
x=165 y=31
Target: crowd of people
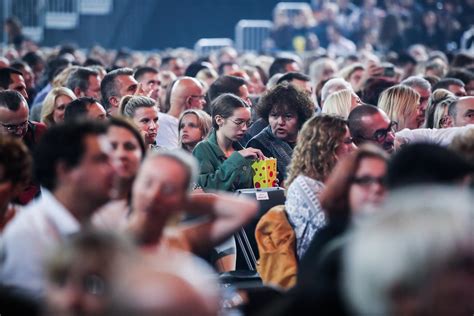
x=118 y=174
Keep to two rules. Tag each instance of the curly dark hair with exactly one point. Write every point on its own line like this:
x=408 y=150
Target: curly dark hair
x=284 y=97
x=15 y=161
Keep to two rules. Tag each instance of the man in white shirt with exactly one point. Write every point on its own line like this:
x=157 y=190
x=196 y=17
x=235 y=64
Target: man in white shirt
x=187 y=93
x=73 y=167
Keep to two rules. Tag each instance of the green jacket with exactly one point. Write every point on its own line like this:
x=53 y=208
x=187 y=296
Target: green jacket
x=220 y=173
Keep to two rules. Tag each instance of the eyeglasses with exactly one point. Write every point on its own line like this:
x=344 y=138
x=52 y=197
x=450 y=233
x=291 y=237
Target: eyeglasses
x=241 y=123
x=381 y=134
x=14 y=128
x=366 y=181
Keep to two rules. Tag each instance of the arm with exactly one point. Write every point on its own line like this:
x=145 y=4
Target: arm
x=220 y=175
x=442 y=137
x=227 y=214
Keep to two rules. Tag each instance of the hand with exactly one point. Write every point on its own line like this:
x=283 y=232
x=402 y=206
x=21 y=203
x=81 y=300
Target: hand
x=252 y=153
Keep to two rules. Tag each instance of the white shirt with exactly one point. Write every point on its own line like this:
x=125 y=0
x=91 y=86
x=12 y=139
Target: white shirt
x=442 y=137
x=28 y=240
x=167 y=136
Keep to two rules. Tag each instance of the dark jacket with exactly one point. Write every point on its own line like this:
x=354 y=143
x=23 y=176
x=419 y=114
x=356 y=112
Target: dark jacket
x=218 y=172
x=273 y=147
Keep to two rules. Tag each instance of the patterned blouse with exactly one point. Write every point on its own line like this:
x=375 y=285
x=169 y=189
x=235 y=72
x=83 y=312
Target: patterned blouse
x=304 y=211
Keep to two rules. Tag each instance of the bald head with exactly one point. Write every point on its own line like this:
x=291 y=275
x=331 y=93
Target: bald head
x=187 y=93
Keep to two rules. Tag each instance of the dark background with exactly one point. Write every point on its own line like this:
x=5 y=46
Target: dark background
x=159 y=24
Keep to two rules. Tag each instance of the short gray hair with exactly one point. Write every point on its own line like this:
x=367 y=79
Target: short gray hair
x=412 y=234
x=333 y=85
x=417 y=82
x=185 y=159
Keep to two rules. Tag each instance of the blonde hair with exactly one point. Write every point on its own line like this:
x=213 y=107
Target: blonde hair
x=315 y=153
x=204 y=123
x=338 y=104
x=399 y=102
x=438 y=103
x=49 y=103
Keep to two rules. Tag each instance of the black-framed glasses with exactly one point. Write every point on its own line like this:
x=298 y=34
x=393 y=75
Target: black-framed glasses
x=13 y=128
x=368 y=180
x=241 y=123
x=381 y=134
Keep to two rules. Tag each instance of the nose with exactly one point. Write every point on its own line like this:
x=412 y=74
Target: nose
x=281 y=120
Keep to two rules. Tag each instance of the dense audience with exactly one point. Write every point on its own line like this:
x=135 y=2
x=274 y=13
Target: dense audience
x=116 y=168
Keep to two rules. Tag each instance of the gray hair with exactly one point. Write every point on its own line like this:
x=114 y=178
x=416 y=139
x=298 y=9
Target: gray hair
x=108 y=86
x=417 y=82
x=130 y=103
x=414 y=232
x=334 y=85
x=185 y=159
x=79 y=78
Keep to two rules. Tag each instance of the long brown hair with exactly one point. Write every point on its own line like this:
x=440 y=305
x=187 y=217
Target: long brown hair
x=315 y=153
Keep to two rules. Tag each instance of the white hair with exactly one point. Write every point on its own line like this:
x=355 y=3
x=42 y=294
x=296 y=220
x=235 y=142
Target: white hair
x=338 y=103
x=417 y=82
x=334 y=85
x=413 y=233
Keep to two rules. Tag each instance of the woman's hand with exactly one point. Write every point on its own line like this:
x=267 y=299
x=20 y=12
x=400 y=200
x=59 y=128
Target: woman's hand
x=252 y=153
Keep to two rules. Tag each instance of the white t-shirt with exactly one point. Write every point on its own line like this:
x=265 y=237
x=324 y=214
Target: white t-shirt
x=167 y=136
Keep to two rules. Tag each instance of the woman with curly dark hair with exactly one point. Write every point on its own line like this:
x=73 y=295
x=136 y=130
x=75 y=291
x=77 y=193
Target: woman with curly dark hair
x=323 y=140
x=285 y=108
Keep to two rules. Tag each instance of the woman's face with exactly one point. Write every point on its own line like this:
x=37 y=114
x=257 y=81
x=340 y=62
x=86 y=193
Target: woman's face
x=235 y=126
x=367 y=186
x=147 y=121
x=189 y=131
x=355 y=100
x=284 y=125
x=413 y=121
x=126 y=152
x=59 y=108
x=346 y=146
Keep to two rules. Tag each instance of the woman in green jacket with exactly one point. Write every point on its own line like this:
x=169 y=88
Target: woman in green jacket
x=224 y=163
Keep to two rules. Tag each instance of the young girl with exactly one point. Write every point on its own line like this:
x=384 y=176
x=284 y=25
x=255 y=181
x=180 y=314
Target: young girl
x=194 y=126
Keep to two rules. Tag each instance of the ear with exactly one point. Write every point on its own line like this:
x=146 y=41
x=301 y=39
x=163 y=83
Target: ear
x=114 y=101
x=78 y=92
x=219 y=120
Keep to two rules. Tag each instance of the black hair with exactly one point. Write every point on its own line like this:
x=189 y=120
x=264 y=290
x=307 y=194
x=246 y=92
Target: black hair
x=224 y=106
x=78 y=108
x=424 y=164
x=283 y=97
x=62 y=143
x=293 y=75
x=279 y=66
x=225 y=84
x=446 y=82
x=194 y=68
x=354 y=121
x=140 y=71
x=11 y=100
x=5 y=76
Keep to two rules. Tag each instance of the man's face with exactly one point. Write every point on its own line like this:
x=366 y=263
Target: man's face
x=96 y=111
x=244 y=94
x=93 y=91
x=127 y=85
x=14 y=123
x=196 y=98
x=151 y=84
x=162 y=193
x=424 y=96
x=18 y=84
x=464 y=112
x=304 y=85
x=177 y=67
x=458 y=91
x=378 y=130
x=292 y=67
x=95 y=165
